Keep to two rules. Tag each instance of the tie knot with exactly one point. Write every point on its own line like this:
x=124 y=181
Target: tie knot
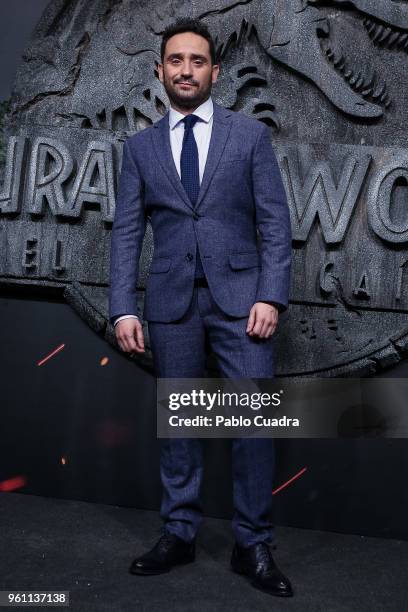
x=189 y=121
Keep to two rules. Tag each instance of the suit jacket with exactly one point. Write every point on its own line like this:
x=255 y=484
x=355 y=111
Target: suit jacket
x=240 y=222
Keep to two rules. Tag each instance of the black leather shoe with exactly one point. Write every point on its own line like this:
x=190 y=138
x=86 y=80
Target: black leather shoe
x=257 y=563
x=170 y=550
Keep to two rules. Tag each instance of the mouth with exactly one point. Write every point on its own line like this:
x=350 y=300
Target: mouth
x=361 y=80
x=182 y=84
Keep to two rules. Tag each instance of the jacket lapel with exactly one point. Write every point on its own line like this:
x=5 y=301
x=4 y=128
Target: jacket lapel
x=219 y=134
x=162 y=146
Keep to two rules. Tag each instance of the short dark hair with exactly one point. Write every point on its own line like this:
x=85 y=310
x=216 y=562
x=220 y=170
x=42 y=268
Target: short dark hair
x=183 y=24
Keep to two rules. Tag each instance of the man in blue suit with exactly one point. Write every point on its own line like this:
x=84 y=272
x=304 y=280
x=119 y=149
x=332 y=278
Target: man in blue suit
x=209 y=181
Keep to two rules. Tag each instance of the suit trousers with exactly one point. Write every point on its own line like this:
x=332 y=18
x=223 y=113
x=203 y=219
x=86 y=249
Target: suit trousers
x=179 y=351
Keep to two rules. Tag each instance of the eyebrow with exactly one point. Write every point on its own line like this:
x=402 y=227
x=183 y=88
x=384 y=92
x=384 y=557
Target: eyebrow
x=193 y=55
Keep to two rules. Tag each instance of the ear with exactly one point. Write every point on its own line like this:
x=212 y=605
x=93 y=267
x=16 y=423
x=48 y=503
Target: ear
x=160 y=71
x=215 y=72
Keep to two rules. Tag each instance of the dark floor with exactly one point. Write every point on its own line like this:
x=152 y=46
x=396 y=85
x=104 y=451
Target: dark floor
x=86 y=549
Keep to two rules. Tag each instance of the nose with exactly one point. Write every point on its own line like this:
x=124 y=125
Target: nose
x=186 y=69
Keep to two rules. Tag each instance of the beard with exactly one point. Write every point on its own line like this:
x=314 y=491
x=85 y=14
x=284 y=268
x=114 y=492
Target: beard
x=189 y=98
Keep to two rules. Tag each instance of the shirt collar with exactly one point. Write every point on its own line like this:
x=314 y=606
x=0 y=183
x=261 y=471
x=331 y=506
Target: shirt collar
x=204 y=111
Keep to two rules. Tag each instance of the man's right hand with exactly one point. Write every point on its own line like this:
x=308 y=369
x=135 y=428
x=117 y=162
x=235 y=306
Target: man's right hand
x=129 y=334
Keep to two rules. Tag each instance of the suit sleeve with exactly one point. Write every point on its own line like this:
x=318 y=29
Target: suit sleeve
x=126 y=239
x=273 y=224
x=127 y=316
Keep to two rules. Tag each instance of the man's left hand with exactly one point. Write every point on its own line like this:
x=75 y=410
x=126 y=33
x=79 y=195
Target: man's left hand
x=263 y=319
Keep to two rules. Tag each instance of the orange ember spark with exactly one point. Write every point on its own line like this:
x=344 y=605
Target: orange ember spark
x=59 y=348
x=288 y=482
x=13 y=483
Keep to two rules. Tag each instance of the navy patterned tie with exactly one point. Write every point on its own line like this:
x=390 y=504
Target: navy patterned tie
x=189 y=169
x=190 y=176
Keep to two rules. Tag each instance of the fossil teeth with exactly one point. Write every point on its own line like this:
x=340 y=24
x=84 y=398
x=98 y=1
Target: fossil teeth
x=360 y=81
x=394 y=37
x=379 y=91
x=402 y=39
x=325 y=26
x=384 y=35
x=370 y=79
x=371 y=28
x=379 y=31
x=323 y=44
x=355 y=78
x=390 y=36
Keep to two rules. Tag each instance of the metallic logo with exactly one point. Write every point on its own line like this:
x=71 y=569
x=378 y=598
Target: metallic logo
x=88 y=80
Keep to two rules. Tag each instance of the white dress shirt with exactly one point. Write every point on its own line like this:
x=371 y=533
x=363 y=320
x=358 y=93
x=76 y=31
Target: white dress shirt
x=202 y=134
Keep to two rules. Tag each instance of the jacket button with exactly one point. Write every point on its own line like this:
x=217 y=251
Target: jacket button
x=189 y=257
x=196 y=216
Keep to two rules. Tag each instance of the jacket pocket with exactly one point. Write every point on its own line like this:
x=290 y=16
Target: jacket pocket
x=239 y=261
x=160 y=264
x=233 y=159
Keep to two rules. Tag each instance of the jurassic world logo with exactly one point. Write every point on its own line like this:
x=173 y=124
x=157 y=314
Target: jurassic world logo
x=89 y=80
